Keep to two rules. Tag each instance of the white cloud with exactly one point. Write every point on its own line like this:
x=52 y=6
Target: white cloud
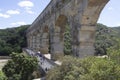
x=18 y=23
x=25 y=4
x=4 y=15
x=13 y=12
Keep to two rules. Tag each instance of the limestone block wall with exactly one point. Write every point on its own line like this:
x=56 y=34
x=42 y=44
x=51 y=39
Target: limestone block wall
x=47 y=31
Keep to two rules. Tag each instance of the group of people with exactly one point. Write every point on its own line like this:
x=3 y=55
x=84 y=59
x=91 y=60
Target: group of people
x=41 y=59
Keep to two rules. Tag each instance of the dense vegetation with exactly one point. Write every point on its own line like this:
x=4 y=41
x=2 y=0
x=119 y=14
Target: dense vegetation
x=85 y=69
x=105 y=38
x=12 y=40
x=20 y=67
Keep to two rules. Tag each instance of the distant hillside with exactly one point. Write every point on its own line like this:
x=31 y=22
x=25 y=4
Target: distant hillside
x=12 y=39
x=105 y=38
x=116 y=31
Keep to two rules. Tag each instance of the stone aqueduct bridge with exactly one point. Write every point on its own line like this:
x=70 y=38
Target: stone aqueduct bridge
x=80 y=15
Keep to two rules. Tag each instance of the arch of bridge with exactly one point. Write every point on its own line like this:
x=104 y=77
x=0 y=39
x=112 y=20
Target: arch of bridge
x=81 y=15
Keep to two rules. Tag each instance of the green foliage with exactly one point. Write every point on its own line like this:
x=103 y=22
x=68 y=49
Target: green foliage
x=102 y=69
x=114 y=52
x=85 y=69
x=2 y=76
x=67 y=41
x=105 y=38
x=12 y=40
x=20 y=67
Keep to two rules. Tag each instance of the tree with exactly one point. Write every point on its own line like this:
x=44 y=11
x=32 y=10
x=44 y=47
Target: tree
x=20 y=67
x=90 y=68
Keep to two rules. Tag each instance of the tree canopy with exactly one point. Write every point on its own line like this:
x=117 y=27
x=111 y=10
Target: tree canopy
x=12 y=40
x=20 y=67
x=91 y=68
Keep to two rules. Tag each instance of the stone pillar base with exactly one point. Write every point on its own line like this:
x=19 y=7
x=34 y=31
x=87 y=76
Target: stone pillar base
x=86 y=51
x=57 y=55
x=44 y=50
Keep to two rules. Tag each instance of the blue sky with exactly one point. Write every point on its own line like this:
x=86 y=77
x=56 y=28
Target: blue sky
x=14 y=13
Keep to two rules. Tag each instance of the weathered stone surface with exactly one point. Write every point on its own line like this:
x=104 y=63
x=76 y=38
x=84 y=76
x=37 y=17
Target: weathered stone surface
x=49 y=27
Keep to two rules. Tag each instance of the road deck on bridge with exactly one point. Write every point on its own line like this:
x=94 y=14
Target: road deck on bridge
x=44 y=62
